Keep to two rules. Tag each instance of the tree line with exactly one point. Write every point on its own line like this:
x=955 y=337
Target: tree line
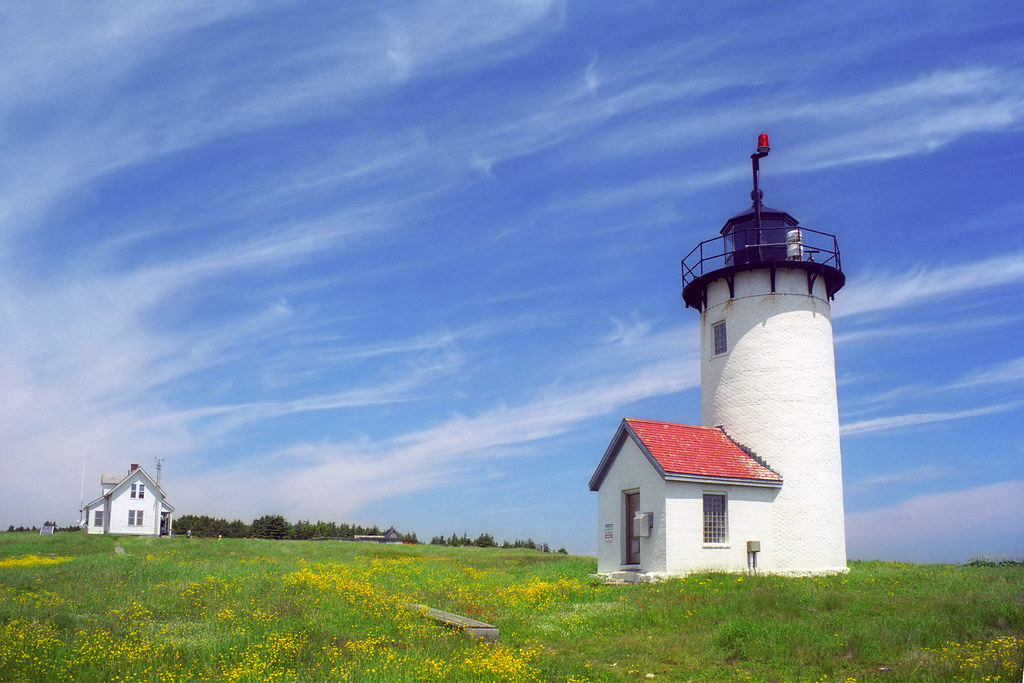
x=71 y=527
x=278 y=528
x=487 y=541
x=275 y=527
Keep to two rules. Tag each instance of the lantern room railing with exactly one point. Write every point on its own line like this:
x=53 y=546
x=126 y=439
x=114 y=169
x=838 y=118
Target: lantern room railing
x=748 y=248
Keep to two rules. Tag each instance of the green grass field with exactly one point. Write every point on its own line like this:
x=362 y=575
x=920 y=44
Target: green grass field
x=174 y=609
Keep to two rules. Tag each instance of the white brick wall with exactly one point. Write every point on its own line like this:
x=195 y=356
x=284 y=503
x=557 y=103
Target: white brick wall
x=631 y=471
x=774 y=391
x=749 y=519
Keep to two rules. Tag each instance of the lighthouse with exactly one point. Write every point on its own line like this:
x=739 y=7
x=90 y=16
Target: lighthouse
x=764 y=289
x=758 y=485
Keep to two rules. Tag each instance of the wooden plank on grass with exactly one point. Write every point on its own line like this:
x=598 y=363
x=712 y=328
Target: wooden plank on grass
x=477 y=629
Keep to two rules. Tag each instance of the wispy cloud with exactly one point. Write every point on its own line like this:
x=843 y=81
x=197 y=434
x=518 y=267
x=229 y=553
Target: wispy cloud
x=1000 y=373
x=910 y=476
x=889 y=291
x=887 y=329
x=993 y=375
x=212 y=93
x=88 y=371
x=915 y=117
x=879 y=424
x=364 y=471
x=911 y=118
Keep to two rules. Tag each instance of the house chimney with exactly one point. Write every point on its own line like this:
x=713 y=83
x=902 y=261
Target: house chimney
x=135 y=466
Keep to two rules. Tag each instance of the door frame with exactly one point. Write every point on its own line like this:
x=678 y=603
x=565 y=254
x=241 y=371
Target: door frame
x=631 y=542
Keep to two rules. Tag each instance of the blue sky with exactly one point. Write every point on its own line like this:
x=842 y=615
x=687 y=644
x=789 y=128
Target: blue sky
x=411 y=263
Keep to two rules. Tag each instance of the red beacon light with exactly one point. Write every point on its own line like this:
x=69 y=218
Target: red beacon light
x=762 y=144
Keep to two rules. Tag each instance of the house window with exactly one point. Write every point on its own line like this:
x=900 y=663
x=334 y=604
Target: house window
x=98 y=518
x=721 y=345
x=135 y=518
x=716 y=523
x=138 y=490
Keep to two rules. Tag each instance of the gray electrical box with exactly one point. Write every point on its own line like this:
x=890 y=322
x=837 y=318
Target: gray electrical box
x=643 y=522
x=753 y=546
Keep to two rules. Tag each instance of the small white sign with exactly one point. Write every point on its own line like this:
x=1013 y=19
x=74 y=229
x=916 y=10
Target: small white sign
x=609 y=533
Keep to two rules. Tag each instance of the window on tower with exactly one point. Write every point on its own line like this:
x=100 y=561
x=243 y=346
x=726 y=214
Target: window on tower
x=716 y=523
x=721 y=344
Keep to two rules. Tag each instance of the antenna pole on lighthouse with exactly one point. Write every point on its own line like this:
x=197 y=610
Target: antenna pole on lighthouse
x=755 y=158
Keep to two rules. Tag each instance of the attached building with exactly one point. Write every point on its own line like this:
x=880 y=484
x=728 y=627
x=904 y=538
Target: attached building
x=132 y=505
x=674 y=499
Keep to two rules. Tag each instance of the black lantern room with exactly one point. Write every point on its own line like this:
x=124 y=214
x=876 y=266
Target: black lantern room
x=748 y=241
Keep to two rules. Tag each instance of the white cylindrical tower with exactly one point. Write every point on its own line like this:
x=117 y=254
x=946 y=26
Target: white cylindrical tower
x=768 y=369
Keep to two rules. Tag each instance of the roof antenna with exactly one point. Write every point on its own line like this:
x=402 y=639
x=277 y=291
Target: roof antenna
x=159 y=469
x=81 y=509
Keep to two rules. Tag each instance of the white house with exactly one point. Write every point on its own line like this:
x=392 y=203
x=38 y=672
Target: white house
x=132 y=505
x=760 y=483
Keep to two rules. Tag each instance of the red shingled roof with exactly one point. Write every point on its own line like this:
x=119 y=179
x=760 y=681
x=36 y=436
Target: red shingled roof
x=680 y=451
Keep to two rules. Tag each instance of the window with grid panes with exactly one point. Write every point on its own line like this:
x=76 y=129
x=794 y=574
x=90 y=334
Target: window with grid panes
x=716 y=527
x=721 y=343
